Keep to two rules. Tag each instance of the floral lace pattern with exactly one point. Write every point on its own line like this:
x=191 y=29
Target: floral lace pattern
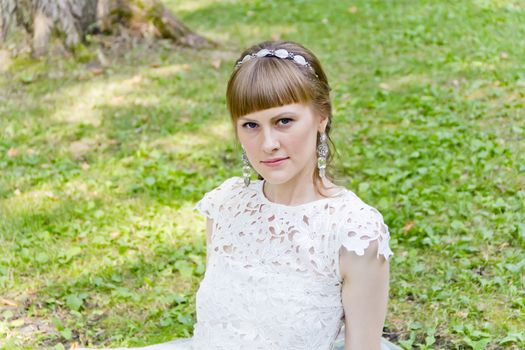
x=273 y=280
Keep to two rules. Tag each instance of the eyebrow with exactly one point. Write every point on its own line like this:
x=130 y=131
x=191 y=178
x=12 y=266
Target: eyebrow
x=276 y=117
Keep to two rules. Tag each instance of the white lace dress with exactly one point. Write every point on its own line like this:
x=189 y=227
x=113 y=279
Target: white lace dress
x=272 y=281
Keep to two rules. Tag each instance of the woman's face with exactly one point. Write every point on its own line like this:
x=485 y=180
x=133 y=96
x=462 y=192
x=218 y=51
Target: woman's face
x=287 y=132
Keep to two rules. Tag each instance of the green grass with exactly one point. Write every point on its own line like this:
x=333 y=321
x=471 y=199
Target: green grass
x=98 y=241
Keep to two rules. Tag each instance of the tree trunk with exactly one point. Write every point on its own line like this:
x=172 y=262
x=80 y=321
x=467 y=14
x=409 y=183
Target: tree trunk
x=75 y=18
x=42 y=25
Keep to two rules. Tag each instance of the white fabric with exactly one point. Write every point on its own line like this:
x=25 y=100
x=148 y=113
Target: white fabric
x=186 y=344
x=272 y=280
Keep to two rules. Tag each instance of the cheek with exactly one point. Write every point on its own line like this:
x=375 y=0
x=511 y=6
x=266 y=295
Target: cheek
x=241 y=135
x=245 y=139
x=302 y=144
x=249 y=143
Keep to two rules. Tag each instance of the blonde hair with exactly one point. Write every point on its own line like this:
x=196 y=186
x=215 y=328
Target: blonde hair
x=267 y=82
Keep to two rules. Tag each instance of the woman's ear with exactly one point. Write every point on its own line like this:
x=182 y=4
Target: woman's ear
x=322 y=124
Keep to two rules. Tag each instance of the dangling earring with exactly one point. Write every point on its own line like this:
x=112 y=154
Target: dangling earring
x=246 y=170
x=322 y=152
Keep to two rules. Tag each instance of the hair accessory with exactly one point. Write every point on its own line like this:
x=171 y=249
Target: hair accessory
x=322 y=152
x=280 y=53
x=246 y=170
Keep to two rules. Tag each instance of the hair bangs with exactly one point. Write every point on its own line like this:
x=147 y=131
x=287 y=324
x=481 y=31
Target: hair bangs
x=266 y=83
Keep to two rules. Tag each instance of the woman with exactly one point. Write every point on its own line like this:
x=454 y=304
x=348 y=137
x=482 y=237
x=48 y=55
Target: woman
x=293 y=260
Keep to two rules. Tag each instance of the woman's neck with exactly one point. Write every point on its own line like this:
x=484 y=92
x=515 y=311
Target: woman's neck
x=298 y=191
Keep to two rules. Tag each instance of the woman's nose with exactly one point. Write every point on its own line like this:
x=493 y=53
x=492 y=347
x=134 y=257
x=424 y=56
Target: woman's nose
x=270 y=142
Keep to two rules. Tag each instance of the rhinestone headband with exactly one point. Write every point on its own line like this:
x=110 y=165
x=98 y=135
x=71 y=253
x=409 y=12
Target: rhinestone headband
x=280 y=53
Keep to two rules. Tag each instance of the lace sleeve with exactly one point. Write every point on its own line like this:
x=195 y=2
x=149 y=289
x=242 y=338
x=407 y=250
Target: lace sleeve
x=208 y=205
x=362 y=225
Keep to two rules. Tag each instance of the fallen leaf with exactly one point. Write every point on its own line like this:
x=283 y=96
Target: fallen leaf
x=136 y=79
x=216 y=64
x=503 y=245
x=50 y=194
x=96 y=70
x=81 y=147
x=8 y=302
x=504 y=55
x=276 y=36
x=352 y=9
x=408 y=226
x=17 y=323
x=462 y=314
x=12 y=152
x=384 y=86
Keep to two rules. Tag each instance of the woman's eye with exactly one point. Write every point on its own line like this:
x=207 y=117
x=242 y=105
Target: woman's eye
x=287 y=119
x=252 y=125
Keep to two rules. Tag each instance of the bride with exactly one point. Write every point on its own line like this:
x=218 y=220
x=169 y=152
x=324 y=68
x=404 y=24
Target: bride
x=294 y=262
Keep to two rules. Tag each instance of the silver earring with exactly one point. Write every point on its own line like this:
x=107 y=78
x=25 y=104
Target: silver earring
x=322 y=153
x=246 y=169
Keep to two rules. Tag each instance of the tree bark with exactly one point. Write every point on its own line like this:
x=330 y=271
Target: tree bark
x=76 y=18
x=42 y=26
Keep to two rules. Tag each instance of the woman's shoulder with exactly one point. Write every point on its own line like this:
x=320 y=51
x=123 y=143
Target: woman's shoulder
x=345 y=198
x=358 y=211
x=348 y=199
x=361 y=223
x=227 y=185
x=231 y=182
x=210 y=204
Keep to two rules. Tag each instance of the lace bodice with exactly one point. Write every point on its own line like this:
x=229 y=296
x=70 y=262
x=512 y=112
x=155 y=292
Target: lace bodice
x=272 y=279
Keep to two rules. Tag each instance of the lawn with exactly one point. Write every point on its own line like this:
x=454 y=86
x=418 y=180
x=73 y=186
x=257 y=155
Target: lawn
x=100 y=169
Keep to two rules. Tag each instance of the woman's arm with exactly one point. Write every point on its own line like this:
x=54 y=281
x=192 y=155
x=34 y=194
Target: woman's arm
x=364 y=297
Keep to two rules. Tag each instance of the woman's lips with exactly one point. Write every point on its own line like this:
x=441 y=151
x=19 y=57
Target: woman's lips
x=275 y=163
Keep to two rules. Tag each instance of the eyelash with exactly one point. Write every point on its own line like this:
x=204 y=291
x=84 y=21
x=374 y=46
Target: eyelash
x=244 y=125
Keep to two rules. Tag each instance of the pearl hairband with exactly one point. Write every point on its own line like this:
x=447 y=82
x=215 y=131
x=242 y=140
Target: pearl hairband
x=280 y=53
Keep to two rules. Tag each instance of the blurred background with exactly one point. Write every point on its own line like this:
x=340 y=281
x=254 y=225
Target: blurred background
x=113 y=124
